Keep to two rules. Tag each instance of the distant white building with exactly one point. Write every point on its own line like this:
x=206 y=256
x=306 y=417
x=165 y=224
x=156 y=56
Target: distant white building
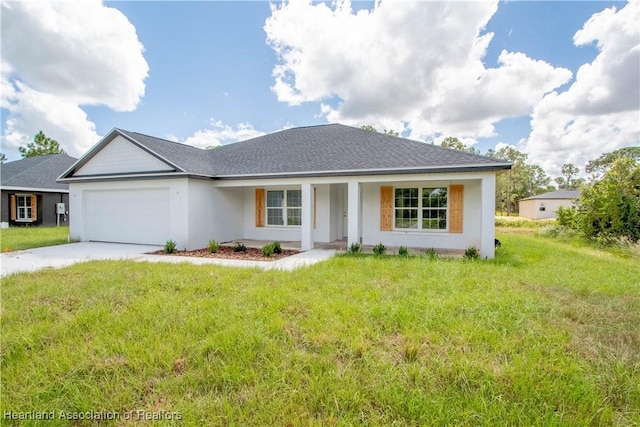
x=544 y=206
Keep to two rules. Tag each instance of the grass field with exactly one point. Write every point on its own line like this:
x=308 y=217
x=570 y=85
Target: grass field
x=17 y=238
x=546 y=334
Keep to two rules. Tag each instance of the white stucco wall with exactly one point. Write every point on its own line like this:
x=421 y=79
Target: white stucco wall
x=201 y=210
x=478 y=216
x=321 y=233
x=471 y=235
x=229 y=214
x=198 y=211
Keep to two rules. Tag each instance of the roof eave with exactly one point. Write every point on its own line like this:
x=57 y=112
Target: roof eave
x=359 y=172
x=132 y=176
x=35 y=189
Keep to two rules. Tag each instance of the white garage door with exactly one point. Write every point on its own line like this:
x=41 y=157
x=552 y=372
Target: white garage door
x=128 y=216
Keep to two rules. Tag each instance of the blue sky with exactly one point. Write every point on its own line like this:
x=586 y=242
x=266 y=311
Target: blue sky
x=489 y=73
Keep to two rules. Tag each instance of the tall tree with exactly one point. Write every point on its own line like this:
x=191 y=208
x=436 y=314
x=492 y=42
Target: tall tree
x=3 y=158
x=507 y=193
x=41 y=144
x=569 y=178
x=603 y=163
x=537 y=181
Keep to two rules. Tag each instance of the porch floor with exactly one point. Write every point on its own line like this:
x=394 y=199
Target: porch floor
x=293 y=245
x=341 y=246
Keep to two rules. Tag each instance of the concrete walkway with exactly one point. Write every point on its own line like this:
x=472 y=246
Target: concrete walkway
x=64 y=255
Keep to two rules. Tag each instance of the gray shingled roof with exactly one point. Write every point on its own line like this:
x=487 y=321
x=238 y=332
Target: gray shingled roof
x=36 y=172
x=332 y=149
x=314 y=150
x=559 y=194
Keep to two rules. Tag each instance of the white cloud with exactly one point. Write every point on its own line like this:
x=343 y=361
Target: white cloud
x=600 y=112
x=500 y=145
x=65 y=54
x=62 y=120
x=409 y=65
x=221 y=134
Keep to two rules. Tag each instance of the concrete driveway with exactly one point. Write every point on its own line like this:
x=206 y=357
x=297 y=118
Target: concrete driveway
x=64 y=255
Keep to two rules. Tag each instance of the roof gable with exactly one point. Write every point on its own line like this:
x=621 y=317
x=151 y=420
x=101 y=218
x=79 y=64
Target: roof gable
x=122 y=156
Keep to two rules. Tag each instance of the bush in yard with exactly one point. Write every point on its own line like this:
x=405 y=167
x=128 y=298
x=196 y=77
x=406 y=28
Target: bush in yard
x=277 y=248
x=472 y=252
x=567 y=217
x=402 y=251
x=379 y=249
x=610 y=207
x=239 y=247
x=354 y=248
x=170 y=247
x=213 y=246
x=268 y=250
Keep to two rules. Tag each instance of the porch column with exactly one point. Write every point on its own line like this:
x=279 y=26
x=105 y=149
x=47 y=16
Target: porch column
x=353 y=221
x=306 y=238
x=488 y=222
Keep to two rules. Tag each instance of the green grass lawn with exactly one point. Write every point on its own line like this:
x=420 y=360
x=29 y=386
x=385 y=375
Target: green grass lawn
x=546 y=334
x=16 y=238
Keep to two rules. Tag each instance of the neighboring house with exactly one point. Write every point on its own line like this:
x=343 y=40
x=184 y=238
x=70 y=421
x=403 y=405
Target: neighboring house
x=30 y=193
x=310 y=184
x=544 y=206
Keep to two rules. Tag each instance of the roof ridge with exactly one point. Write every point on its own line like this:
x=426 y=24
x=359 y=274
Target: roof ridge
x=182 y=144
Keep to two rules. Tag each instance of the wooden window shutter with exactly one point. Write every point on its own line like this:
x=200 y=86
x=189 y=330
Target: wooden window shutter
x=12 y=202
x=34 y=207
x=386 y=208
x=455 y=208
x=259 y=207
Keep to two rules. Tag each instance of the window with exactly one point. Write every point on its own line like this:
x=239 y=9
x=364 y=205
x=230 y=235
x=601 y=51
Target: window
x=421 y=208
x=23 y=211
x=284 y=207
x=434 y=208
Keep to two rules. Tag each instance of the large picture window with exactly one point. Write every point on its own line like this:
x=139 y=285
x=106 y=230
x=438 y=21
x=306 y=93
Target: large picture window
x=420 y=208
x=284 y=207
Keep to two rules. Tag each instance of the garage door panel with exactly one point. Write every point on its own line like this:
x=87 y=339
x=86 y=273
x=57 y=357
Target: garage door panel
x=128 y=216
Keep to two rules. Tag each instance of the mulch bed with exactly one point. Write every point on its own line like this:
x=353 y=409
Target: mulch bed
x=250 y=254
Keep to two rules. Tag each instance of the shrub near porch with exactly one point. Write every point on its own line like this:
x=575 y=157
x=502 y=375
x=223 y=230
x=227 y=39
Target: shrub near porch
x=545 y=334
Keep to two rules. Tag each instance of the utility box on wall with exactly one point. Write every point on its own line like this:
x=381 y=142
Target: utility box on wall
x=61 y=209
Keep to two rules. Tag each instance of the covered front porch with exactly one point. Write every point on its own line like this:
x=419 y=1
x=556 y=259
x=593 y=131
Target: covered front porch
x=397 y=210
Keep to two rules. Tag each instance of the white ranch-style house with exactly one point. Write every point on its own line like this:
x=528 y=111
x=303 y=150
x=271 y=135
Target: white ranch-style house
x=310 y=184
